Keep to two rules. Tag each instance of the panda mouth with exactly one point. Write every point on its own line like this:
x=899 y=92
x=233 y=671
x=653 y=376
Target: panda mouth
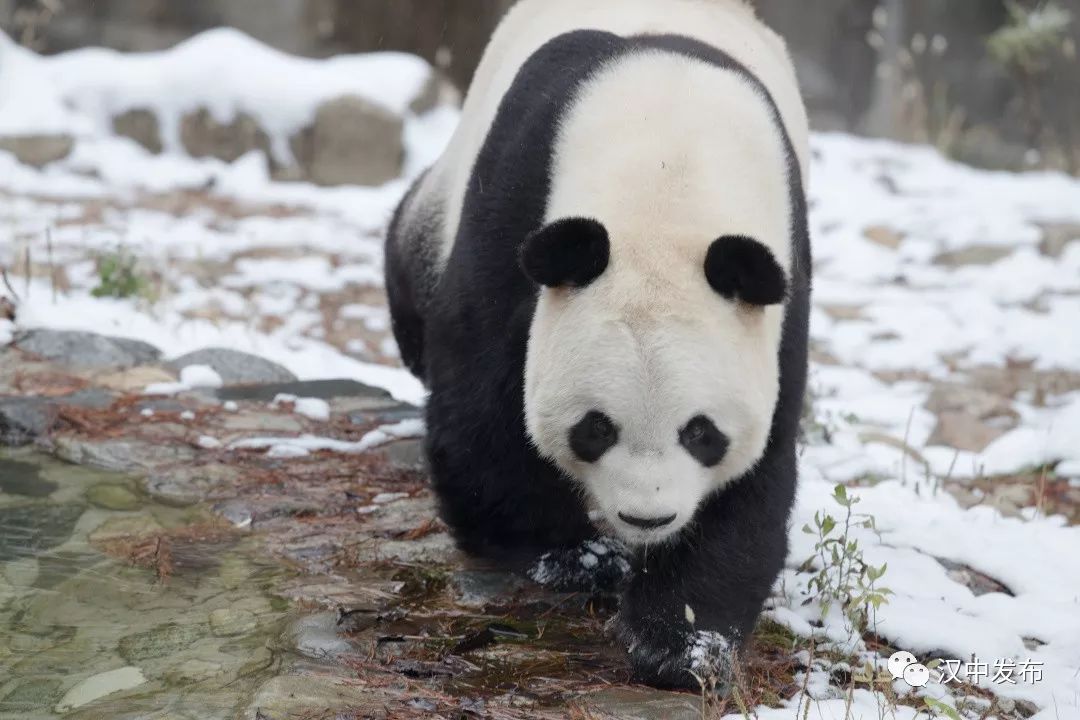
x=652 y=523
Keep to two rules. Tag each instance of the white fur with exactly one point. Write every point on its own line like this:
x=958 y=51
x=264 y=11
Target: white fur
x=669 y=153
x=730 y=25
x=650 y=343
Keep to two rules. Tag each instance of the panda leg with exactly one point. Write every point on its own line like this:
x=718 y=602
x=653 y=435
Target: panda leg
x=691 y=605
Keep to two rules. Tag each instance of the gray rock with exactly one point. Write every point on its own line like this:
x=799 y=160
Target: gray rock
x=386 y=415
x=31 y=529
x=159 y=641
x=121 y=455
x=634 y=704
x=23 y=419
x=230 y=622
x=352 y=142
x=477 y=588
x=323 y=389
x=84 y=350
x=234 y=367
x=408 y=454
x=203 y=136
x=31 y=695
x=294 y=695
x=141 y=126
x=37 y=150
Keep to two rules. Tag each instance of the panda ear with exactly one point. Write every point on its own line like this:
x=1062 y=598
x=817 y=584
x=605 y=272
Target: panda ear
x=567 y=253
x=741 y=268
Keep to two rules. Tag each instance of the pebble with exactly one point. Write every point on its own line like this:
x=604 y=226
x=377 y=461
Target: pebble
x=100 y=685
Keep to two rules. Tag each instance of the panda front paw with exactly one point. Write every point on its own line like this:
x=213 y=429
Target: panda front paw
x=599 y=565
x=689 y=660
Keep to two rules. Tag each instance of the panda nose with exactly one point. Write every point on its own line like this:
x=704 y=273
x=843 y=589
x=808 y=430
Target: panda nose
x=647 y=523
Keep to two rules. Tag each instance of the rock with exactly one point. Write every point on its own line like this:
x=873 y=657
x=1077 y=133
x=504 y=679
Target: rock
x=113 y=497
x=322 y=389
x=229 y=622
x=100 y=685
x=117 y=528
x=296 y=695
x=634 y=704
x=963 y=431
x=437 y=90
x=883 y=236
x=19 y=478
x=386 y=415
x=979 y=583
x=121 y=455
x=84 y=350
x=203 y=136
x=352 y=142
x=478 y=588
x=1056 y=238
x=408 y=454
x=141 y=126
x=158 y=642
x=316 y=636
x=37 y=150
x=192 y=671
x=973 y=255
x=24 y=419
x=31 y=695
x=136 y=379
x=234 y=367
x=186 y=486
x=30 y=529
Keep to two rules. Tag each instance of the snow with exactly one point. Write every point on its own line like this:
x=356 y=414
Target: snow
x=311 y=408
x=79 y=92
x=191 y=377
x=275 y=269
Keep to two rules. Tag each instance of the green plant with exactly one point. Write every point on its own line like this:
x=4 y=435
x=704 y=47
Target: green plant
x=1031 y=38
x=841 y=574
x=118 y=276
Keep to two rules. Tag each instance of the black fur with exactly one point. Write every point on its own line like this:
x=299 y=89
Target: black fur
x=499 y=496
x=704 y=441
x=567 y=253
x=741 y=268
x=593 y=436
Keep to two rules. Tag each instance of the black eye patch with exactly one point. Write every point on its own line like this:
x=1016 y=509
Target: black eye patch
x=593 y=436
x=703 y=441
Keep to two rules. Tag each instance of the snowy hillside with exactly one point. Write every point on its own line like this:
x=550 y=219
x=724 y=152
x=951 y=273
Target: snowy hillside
x=946 y=328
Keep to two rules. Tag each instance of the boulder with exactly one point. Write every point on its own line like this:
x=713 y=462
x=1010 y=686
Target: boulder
x=141 y=126
x=37 y=150
x=203 y=136
x=351 y=142
x=86 y=351
x=235 y=367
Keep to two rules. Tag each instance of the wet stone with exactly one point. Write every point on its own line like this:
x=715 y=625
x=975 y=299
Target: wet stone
x=234 y=367
x=322 y=389
x=316 y=636
x=628 y=704
x=22 y=419
x=84 y=350
x=192 y=671
x=121 y=455
x=99 y=686
x=30 y=529
x=159 y=642
x=19 y=478
x=230 y=622
x=113 y=497
x=32 y=694
x=477 y=588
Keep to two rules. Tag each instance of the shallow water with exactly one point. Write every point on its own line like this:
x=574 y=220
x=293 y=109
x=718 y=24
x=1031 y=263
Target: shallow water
x=114 y=606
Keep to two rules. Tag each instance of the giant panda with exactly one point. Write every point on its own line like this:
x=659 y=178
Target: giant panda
x=604 y=284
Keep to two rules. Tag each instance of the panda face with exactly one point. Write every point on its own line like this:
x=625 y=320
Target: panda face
x=651 y=402
x=652 y=368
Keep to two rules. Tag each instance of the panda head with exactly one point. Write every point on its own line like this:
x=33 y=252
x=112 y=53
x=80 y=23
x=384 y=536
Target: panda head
x=651 y=379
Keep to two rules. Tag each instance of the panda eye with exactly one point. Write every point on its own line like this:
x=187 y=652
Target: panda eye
x=593 y=436
x=704 y=441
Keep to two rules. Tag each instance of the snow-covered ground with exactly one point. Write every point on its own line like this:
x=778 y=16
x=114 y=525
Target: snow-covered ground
x=946 y=372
